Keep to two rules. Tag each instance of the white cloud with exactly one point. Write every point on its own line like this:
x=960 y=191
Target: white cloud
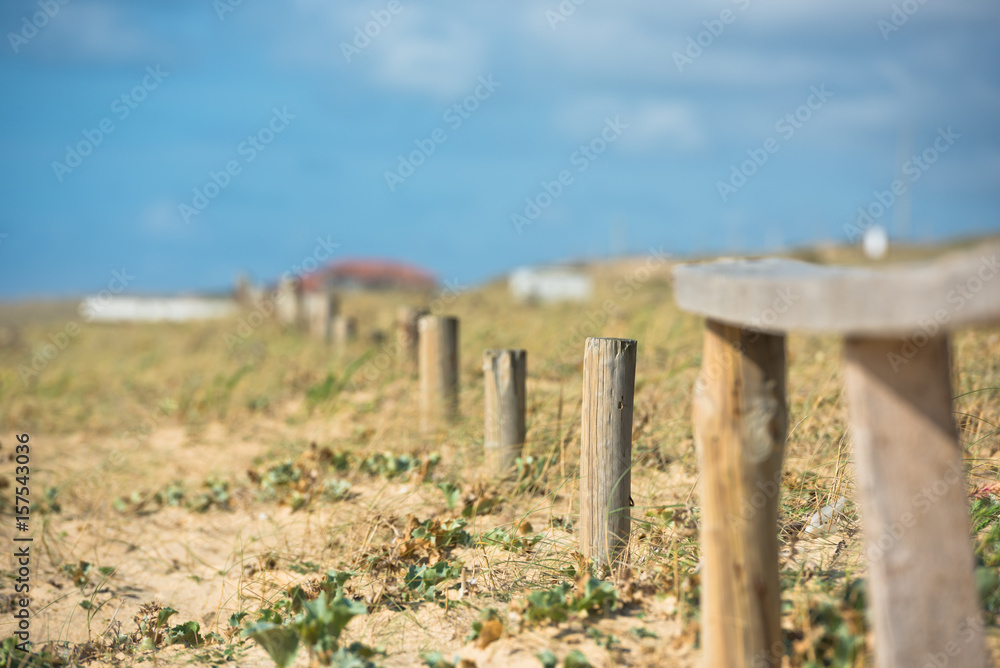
x=653 y=124
x=429 y=54
x=424 y=50
x=664 y=124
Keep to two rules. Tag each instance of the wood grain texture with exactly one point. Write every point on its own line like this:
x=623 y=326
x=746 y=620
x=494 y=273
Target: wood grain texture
x=776 y=295
x=740 y=423
x=912 y=491
x=438 y=344
x=606 y=447
x=504 y=373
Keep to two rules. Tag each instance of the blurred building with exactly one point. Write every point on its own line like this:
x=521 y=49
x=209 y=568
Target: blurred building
x=550 y=284
x=360 y=274
x=128 y=308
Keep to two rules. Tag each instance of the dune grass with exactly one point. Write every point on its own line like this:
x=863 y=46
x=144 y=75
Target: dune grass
x=278 y=480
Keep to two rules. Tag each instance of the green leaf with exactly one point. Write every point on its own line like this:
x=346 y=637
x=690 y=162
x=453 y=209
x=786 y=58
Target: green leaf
x=596 y=595
x=338 y=579
x=280 y=642
x=322 y=621
x=547 y=658
x=344 y=610
x=424 y=579
x=163 y=616
x=576 y=659
x=452 y=493
x=236 y=619
x=436 y=660
x=269 y=615
x=186 y=634
x=642 y=632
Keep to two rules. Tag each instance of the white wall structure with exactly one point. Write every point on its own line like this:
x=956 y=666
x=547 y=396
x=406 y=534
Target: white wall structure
x=116 y=308
x=550 y=284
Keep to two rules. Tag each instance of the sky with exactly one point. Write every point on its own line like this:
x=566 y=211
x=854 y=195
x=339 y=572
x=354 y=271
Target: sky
x=178 y=143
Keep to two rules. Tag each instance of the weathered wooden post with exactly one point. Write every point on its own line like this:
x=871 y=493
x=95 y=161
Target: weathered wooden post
x=287 y=302
x=910 y=477
x=320 y=308
x=241 y=290
x=256 y=296
x=740 y=421
x=911 y=484
x=438 y=370
x=407 y=335
x=344 y=329
x=504 y=373
x=606 y=447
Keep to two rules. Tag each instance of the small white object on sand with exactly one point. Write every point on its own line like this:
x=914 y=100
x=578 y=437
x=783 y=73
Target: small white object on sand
x=821 y=520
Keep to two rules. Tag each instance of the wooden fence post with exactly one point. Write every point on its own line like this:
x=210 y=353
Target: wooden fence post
x=345 y=329
x=606 y=447
x=912 y=493
x=504 y=373
x=287 y=299
x=241 y=290
x=321 y=308
x=740 y=423
x=407 y=336
x=438 y=370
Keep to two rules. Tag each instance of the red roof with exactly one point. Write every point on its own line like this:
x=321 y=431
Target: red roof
x=369 y=274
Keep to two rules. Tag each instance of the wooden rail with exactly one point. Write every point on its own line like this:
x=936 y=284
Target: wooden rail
x=895 y=324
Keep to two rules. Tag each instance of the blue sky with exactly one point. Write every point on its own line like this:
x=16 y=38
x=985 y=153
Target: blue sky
x=893 y=77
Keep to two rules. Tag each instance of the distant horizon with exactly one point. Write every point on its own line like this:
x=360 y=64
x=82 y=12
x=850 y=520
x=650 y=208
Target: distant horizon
x=222 y=291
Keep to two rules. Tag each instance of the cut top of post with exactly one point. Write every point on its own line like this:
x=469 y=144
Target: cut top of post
x=777 y=295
